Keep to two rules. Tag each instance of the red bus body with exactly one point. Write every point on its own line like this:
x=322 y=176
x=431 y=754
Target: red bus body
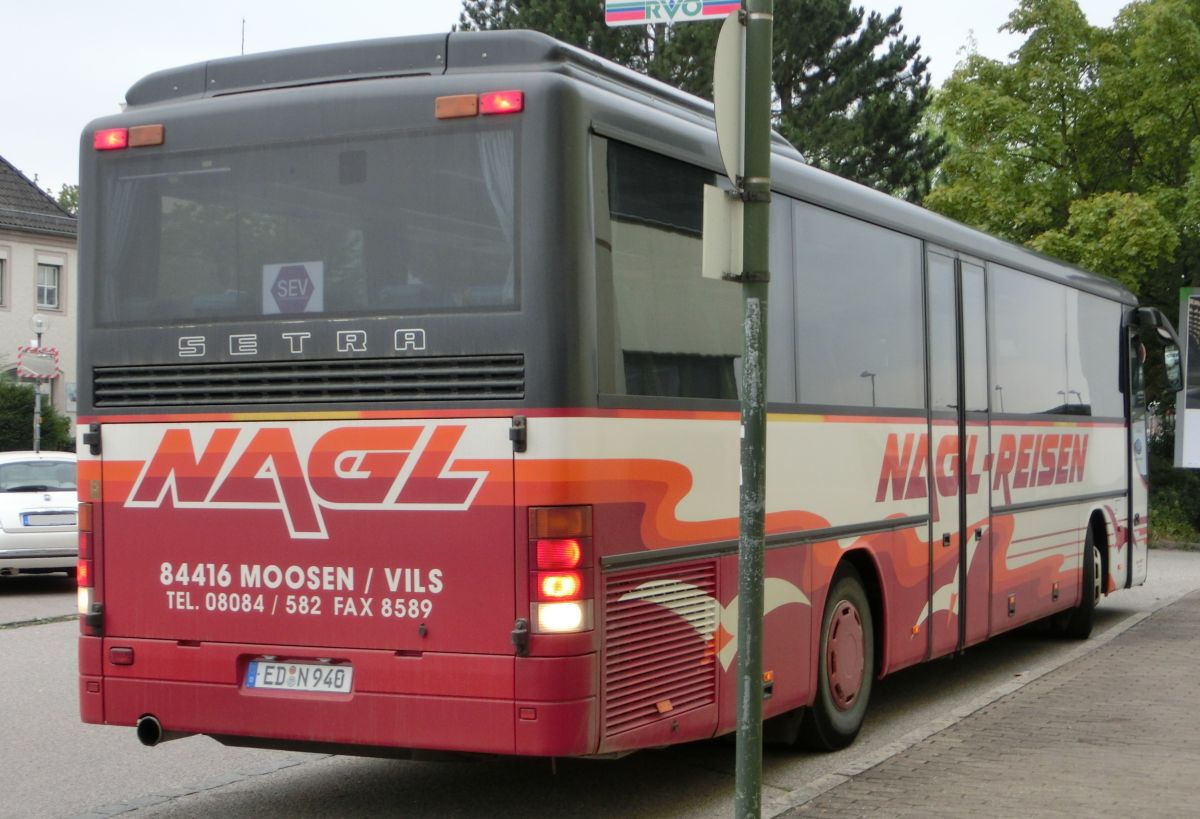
x=550 y=571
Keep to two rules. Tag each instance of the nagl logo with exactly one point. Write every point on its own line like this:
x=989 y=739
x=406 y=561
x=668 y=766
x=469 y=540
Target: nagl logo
x=365 y=468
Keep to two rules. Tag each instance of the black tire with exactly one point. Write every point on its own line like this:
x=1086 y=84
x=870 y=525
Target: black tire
x=1079 y=620
x=840 y=706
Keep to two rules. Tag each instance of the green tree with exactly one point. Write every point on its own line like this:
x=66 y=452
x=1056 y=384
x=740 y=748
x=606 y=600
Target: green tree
x=16 y=420
x=852 y=92
x=1086 y=144
x=68 y=199
x=851 y=89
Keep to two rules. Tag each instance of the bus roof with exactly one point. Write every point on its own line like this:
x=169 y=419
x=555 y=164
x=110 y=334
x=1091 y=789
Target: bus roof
x=493 y=52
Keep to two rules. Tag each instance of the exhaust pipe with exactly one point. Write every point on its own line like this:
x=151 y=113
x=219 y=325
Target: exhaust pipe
x=150 y=732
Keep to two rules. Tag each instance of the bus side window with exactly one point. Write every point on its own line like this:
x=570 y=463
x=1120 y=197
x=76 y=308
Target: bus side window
x=859 y=313
x=674 y=334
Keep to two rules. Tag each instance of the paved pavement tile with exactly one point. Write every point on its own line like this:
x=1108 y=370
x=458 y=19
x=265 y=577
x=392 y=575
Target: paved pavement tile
x=1114 y=733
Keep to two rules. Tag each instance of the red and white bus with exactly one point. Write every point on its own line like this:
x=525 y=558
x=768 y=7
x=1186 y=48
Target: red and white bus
x=408 y=422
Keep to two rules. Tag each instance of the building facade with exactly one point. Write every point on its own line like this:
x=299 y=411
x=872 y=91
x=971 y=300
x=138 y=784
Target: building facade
x=38 y=273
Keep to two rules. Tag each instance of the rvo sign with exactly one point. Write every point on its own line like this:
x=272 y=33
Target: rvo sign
x=643 y=12
x=296 y=287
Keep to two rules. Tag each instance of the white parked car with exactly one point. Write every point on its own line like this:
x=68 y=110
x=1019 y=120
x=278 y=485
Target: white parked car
x=38 y=507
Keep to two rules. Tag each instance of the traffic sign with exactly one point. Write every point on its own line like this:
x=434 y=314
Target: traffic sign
x=651 y=12
x=38 y=363
x=729 y=97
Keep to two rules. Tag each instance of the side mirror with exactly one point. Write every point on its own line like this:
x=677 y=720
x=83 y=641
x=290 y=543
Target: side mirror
x=1174 y=369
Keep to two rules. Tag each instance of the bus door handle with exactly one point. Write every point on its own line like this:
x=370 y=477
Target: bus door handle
x=946 y=539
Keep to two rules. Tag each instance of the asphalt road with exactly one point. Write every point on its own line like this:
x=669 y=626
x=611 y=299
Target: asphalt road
x=52 y=765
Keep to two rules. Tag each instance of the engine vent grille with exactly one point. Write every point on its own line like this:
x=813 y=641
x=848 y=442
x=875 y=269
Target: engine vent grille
x=465 y=378
x=660 y=629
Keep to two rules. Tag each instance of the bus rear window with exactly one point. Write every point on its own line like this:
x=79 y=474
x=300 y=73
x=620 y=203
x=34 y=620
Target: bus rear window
x=406 y=223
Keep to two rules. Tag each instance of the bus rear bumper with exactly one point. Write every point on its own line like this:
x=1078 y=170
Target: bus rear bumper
x=489 y=704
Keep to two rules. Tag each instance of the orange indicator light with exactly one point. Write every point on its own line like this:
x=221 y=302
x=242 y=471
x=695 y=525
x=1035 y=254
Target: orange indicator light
x=455 y=107
x=143 y=136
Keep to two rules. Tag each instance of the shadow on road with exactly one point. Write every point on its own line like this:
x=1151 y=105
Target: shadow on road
x=36 y=584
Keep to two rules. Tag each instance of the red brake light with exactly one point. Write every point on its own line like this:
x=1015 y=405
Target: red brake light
x=110 y=139
x=566 y=586
x=559 y=554
x=502 y=102
x=83 y=574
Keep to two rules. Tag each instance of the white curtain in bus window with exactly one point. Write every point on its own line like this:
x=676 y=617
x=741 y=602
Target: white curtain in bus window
x=859 y=317
x=676 y=333
x=401 y=223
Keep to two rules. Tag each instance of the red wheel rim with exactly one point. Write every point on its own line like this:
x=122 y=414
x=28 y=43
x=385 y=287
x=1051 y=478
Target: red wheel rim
x=844 y=660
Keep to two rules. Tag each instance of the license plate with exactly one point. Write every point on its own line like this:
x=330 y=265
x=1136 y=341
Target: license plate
x=323 y=679
x=48 y=519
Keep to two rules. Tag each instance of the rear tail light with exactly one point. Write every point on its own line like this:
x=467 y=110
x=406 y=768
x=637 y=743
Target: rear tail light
x=561 y=553
x=560 y=540
x=567 y=586
x=84 y=519
x=561 y=618
x=85 y=567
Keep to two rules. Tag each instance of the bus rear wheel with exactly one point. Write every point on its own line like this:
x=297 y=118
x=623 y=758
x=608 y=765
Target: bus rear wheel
x=845 y=666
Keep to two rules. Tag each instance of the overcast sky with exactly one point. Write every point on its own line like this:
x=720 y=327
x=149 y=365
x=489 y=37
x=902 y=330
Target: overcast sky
x=65 y=63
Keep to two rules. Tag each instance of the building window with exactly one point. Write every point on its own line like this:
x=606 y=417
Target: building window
x=49 y=278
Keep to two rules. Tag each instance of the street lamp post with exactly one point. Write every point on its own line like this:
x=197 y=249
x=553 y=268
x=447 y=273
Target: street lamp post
x=38 y=323
x=870 y=375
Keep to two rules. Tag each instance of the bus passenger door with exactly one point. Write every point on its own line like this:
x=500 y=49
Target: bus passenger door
x=1139 y=471
x=959 y=500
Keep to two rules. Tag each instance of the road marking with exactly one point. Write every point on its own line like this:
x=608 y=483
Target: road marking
x=41 y=621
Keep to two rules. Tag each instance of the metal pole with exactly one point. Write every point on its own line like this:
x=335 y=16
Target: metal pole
x=37 y=408
x=756 y=187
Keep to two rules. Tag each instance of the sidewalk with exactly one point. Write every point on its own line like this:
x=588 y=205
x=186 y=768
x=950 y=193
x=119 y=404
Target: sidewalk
x=1114 y=733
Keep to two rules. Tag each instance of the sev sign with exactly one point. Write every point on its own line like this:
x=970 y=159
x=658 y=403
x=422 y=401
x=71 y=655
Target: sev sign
x=651 y=12
x=298 y=287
